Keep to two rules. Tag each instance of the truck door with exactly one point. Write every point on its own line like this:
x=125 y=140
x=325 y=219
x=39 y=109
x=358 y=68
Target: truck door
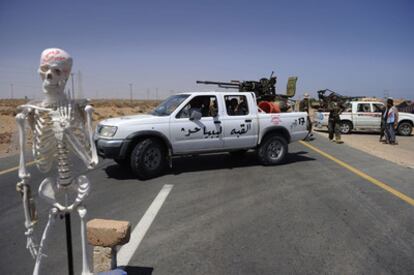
x=239 y=123
x=190 y=133
x=377 y=110
x=364 y=117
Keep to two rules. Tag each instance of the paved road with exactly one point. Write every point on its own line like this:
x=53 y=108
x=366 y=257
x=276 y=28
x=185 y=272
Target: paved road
x=227 y=216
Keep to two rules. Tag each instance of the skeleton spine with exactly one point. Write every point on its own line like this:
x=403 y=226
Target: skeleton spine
x=65 y=175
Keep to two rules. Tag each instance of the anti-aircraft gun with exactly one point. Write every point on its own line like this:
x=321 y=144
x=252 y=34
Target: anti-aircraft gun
x=326 y=99
x=264 y=89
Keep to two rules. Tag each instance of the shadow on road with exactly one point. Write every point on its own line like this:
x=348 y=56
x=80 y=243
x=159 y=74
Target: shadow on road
x=137 y=270
x=361 y=133
x=204 y=163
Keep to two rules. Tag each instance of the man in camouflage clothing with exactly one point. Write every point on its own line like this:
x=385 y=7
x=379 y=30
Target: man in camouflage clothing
x=335 y=108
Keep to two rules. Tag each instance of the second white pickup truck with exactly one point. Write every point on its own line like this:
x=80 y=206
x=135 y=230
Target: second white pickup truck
x=365 y=115
x=197 y=123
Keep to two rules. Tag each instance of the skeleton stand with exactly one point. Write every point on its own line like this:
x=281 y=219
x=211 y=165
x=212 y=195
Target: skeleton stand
x=69 y=243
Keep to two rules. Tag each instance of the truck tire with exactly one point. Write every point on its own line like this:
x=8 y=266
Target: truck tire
x=148 y=159
x=272 y=150
x=346 y=127
x=405 y=128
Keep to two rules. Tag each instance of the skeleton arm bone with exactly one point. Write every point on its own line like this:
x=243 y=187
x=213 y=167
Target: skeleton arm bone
x=21 y=122
x=94 y=160
x=22 y=186
x=78 y=148
x=89 y=158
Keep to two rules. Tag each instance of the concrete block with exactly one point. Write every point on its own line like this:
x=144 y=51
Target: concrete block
x=108 y=233
x=104 y=259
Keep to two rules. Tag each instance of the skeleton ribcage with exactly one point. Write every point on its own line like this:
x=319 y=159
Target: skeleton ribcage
x=47 y=147
x=44 y=141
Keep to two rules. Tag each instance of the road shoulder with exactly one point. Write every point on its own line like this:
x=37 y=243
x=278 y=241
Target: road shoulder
x=401 y=154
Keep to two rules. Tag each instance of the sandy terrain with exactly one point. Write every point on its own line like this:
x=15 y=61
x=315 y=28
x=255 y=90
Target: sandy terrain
x=103 y=109
x=403 y=153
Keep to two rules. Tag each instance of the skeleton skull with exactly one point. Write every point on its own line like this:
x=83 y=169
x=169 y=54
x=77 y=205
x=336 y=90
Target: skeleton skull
x=55 y=67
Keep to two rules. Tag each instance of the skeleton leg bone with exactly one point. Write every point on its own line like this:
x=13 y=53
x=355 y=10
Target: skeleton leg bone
x=52 y=218
x=85 y=265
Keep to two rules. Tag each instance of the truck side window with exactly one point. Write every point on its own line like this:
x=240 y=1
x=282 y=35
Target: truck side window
x=378 y=107
x=236 y=105
x=364 y=107
x=207 y=105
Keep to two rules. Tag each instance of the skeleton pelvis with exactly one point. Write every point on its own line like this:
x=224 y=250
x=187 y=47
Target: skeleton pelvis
x=64 y=198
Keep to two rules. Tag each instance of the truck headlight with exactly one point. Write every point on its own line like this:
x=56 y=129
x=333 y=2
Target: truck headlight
x=107 y=131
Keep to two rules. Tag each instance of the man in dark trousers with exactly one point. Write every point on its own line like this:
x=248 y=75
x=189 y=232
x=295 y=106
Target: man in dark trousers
x=391 y=115
x=335 y=108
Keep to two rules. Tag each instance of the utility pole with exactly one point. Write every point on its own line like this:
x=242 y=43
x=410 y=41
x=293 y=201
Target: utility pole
x=130 y=92
x=73 y=86
x=80 y=88
x=148 y=94
x=156 y=93
x=11 y=91
x=386 y=94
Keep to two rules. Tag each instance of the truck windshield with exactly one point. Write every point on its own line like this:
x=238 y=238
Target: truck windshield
x=169 y=105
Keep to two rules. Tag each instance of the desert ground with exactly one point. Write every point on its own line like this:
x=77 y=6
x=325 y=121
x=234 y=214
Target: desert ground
x=104 y=108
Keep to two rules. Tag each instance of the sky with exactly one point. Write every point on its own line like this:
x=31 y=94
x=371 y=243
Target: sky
x=163 y=47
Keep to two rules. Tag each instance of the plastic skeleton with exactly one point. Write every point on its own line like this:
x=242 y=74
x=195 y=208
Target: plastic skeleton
x=60 y=125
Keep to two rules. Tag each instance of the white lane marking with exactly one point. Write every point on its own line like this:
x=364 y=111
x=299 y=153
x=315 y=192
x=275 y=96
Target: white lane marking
x=127 y=251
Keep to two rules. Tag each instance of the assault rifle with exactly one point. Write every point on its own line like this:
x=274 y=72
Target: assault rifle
x=264 y=89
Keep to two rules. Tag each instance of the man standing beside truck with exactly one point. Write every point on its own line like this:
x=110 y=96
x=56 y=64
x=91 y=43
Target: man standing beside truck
x=335 y=109
x=304 y=106
x=391 y=116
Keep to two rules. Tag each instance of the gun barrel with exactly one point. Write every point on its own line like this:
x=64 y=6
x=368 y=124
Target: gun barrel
x=226 y=85
x=216 y=83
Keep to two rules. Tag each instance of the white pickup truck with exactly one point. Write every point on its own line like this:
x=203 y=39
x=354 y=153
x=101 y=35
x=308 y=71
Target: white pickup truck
x=197 y=123
x=365 y=115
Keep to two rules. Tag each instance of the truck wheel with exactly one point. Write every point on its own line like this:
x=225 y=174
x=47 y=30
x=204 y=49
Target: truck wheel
x=346 y=127
x=273 y=150
x=148 y=159
x=405 y=128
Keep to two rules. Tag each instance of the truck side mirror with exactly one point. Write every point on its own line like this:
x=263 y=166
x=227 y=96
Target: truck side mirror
x=195 y=114
x=291 y=86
